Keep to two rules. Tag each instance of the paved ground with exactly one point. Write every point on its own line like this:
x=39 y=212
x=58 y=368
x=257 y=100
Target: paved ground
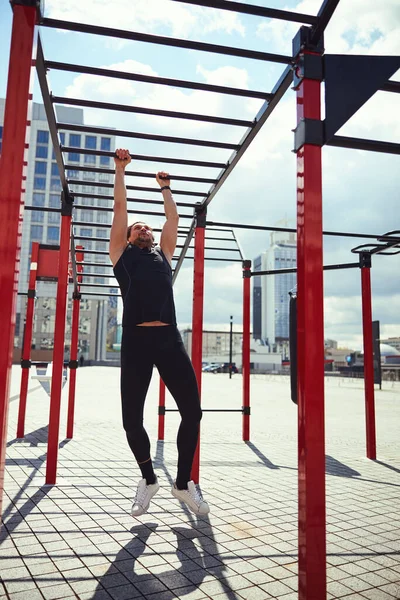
x=78 y=540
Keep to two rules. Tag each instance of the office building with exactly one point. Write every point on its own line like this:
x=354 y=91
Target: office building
x=43 y=190
x=271 y=292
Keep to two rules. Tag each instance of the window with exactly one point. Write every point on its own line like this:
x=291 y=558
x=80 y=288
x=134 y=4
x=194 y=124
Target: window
x=102 y=217
x=54 y=170
x=101 y=246
x=100 y=280
x=86 y=232
x=105 y=145
x=62 y=138
x=73 y=156
x=38 y=199
x=42 y=137
x=54 y=201
x=36 y=233
x=53 y=234
x=101 y=233
x=103 y=202
x=55 y=185
x=40 y=167
x=41 y=151
x=90 y=159
x=90 y=142
x=54 y=217
x=39 y=183
x=87 y=215
x=89 y=176
x=75 y=140
x=105 y=161
x=73 y=174
x=37 y=216
x=104 y=177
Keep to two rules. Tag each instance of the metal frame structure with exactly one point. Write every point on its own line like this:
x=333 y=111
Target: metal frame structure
x=307 y=67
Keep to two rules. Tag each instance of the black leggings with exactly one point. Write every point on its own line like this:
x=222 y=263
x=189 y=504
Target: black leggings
x=162 y=346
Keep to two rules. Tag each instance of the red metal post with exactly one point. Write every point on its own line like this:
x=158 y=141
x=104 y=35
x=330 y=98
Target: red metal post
x=15 y=133
x=73 y=364
x=311 y=436
x=58 y=352
x=197 y=319
x=246 y=350
x=161 y=411
x=365 y=264
x=27 y=343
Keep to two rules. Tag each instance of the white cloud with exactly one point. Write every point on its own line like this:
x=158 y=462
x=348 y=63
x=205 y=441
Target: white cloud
x=157 y=16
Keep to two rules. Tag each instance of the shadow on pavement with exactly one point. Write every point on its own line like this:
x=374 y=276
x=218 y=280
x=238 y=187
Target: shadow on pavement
x=261 y=456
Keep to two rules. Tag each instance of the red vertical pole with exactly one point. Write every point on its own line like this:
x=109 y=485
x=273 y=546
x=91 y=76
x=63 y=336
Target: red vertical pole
x=311 y=436
x=73 y=363
x=246 y=350
x=197 y=318
x=58 y=352
x=15 y=134
x=161 y=411
x=369 y=390
x=27 y=343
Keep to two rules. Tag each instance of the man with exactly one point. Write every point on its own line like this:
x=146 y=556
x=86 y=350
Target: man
x=150 y=337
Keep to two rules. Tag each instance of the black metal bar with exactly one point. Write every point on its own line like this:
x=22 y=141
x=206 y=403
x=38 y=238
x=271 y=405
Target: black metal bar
x=151 y=111
x=139 y=188
x=73 y=263
x=50 y=114
x=136 y=200
x=325 y=268
x=324 y=16
x=90 y=264
x=130 y=212
x=210 y=410
x=238 y=246
x=89 y=169
x=340 y=141
x=185 y=249
x=162 y=159
x=105 y=253
x=288 y=230
x=205 y=87
x=145 y=136
x=259 y=11
x=164 y=41
x=391 y=86
x=279 y=90
x=84 y=294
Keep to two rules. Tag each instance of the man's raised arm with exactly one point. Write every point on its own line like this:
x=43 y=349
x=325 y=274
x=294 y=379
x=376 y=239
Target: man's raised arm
x=169 y=233
x=119 y=227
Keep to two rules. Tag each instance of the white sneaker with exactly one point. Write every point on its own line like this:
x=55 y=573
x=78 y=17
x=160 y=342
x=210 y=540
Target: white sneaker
x=192 y=497
x=144 y=494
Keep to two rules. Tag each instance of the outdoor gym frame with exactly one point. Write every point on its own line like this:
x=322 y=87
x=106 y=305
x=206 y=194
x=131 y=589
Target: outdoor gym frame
x=353 y=78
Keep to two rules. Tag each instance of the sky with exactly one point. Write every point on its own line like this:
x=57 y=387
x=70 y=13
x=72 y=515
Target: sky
x=360 y=189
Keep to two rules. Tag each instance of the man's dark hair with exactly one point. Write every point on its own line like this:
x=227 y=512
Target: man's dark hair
x=128 y=233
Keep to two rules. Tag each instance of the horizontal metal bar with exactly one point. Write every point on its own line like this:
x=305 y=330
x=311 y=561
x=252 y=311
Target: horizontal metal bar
x=162 y=159
x=250 y=9
x=134 y=187
x=205 y=87
x=77 y=237
x=289 y=230
x=340 y=141
x=151 y=111
x=391 y=86
x=130 y=212
x=94 y=264
x=137 y=200
x=325 y=268
x=210 y=410
x=105 y=253
x=101 y=294
x=164 y=41
x=89 y=169
x=146 y=136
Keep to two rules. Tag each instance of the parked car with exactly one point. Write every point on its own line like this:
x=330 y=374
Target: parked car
x=212 y=368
